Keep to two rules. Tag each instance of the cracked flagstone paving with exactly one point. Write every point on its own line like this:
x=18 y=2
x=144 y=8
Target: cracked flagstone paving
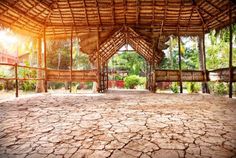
x=118 y=125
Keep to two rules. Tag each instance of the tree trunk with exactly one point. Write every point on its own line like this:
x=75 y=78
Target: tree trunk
x=202 y=62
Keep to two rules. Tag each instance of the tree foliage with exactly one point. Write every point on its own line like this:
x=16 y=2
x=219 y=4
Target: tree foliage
x=128 y=61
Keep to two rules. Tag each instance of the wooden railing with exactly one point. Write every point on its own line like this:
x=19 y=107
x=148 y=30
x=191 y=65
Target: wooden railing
x=16 y=76
x=219 y=75
x=175 y=75
x=52 y=75
x=74 y=76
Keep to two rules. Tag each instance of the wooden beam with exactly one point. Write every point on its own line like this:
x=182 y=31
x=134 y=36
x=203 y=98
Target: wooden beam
x=21 y=13
x=71 y=12
x=180 y=9
x=137 y=11
x=61 y=19
x=189 y=20
x=99 y=17
x=180 y=68
x=113 y=12
x=159 y=40
x=8 y=8
x=125 y=9
x=45 y=59
x=201 y=17
x=230 y=55
x=153 y=12
x=85 y=13
x=217 y=16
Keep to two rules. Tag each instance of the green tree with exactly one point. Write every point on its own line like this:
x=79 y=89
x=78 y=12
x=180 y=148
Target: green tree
x=128 y=61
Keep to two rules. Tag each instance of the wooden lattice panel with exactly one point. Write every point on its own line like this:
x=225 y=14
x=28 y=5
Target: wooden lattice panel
x=174 y=76
x=75 y=75
x=222 y=75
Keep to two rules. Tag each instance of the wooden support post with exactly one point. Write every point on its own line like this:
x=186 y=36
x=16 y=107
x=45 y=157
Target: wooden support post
x=153 y=66
x=150 y=79
x=16 y=77
x=146 y=74
x=45 y=60
x=98 y=64
x=180 y=68
x=202 y=60
x=71 y=58
x=107 y=74
x=230 y=55
x=39 y=86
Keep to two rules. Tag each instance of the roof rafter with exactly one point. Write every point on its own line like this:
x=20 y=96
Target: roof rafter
x=137 y=11
x=72 y=14
x=61 y=19
x=99 y=17
x=20 y=12
x=85 y=13
x=113 y=12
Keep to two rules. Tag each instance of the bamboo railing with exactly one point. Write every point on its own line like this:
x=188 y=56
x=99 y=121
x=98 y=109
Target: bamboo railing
x=52 y=75
x=217 y=75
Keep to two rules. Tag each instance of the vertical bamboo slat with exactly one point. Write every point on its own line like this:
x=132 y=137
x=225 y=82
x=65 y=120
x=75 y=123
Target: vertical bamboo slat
x=98 y=63
x=45 y=60
x=71 y=58
x=230 y=55
x=180 y=68
x=16 y=77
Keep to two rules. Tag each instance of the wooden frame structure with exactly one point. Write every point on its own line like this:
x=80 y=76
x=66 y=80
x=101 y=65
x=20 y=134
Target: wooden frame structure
x=104 y=26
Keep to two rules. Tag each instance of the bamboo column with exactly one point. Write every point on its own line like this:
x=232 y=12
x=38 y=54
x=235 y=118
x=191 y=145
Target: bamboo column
x=45 y=60
x=153 y=66
x=71 y=58
x=98 y=64
x=230 y=55
x=16 y=80
x=39 y=86
x=107 y=74
x=180 y=68
x=146 y=73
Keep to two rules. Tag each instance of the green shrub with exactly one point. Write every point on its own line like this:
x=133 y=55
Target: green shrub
x=118 y=77
x=89 y=85
x=174 y=87
x=1 y=86
x=29 y=85
x=221 y=88
x=193 y=87
x=132 y=81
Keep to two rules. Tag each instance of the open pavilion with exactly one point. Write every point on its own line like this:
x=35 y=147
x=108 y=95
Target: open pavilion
x=119 y=124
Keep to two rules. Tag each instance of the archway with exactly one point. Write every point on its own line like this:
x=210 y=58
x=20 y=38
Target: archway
x=124 y=36
x=127 y=69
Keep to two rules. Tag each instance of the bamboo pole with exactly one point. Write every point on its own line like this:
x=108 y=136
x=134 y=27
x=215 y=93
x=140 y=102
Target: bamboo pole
x=107 y=73
x=230 y=55
x=204 y=62
x=71 y=58
x=45 y=60
x=180 y=68
x=40 y=87
x=98 y=63
x=16 y=80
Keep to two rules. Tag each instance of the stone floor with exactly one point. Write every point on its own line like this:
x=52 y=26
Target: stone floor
x=118 y=124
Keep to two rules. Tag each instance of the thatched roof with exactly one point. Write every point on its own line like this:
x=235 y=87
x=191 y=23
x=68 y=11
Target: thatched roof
x=153 y=20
